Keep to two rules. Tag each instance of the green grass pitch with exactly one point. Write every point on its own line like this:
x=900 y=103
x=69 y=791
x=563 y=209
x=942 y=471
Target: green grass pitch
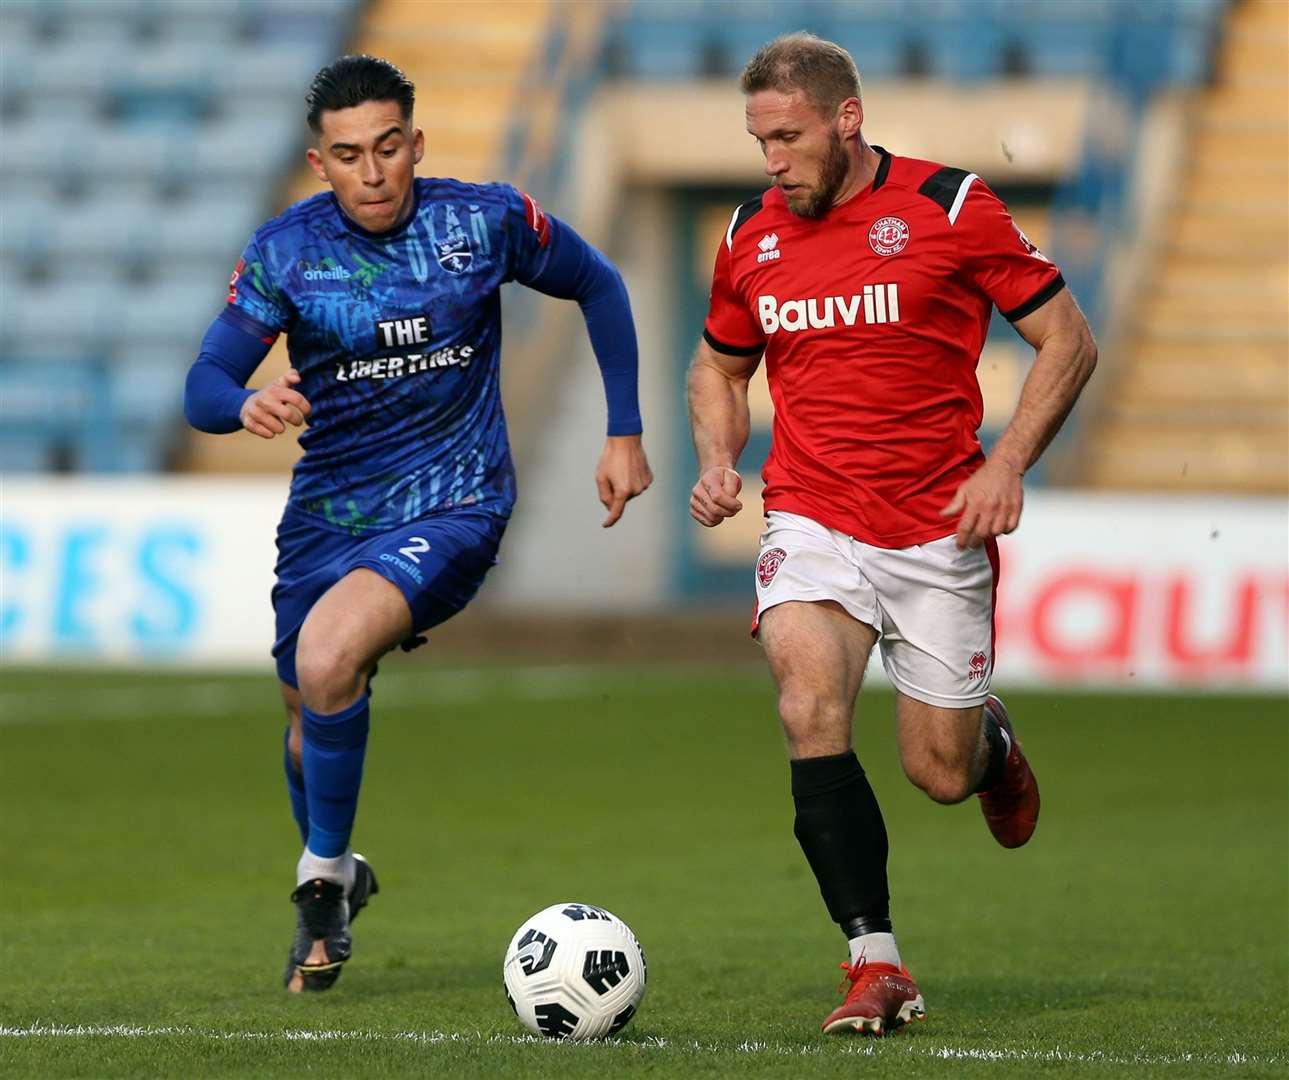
x=148 y=853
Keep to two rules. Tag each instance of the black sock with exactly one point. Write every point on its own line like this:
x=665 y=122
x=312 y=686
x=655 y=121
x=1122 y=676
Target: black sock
x=840 y=828
x=996 y=766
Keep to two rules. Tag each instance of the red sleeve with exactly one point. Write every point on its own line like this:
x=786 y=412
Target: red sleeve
x=731 y=328
x=999 y=259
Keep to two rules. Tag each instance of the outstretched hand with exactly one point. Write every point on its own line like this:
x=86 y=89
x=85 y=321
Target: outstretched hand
x=715 y=497
x=622 y=473
x=267 y=412
x=990 y=502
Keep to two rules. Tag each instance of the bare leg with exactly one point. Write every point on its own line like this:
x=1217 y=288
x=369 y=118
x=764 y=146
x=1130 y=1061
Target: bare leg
x=944 y=751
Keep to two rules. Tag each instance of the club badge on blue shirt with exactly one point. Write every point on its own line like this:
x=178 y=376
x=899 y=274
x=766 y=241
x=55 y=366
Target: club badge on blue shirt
x=451 y=244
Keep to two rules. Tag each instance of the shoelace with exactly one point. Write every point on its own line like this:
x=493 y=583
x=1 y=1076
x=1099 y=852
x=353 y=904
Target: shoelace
x=852 y=973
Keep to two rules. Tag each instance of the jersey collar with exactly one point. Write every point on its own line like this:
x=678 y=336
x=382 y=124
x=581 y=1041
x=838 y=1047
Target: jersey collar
x=883 y=168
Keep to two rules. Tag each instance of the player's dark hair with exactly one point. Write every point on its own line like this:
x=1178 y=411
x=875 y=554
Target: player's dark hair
x=820 y=69
x=351 y=80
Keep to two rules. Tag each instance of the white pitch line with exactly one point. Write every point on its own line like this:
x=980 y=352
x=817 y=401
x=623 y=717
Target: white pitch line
x=867 y=1048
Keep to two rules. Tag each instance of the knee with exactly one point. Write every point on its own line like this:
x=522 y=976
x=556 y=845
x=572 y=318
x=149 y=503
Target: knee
x=815 y=725
x=944 y=781
x=331 y=675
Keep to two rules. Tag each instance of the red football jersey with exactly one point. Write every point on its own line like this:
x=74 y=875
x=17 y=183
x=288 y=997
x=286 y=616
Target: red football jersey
x=872 y=320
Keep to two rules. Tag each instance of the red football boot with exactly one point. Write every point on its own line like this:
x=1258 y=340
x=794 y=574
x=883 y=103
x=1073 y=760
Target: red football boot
x=1011 y=805
x=882 y=998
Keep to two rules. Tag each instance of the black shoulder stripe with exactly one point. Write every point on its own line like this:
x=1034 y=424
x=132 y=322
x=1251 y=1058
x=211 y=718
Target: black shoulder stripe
x=1037 y=300
x=942 y=186
x=883 y=167
x=743 y=215
x=733 y=350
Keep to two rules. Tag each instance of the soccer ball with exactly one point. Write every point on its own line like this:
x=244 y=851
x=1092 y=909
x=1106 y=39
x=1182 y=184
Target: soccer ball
x=574 y=971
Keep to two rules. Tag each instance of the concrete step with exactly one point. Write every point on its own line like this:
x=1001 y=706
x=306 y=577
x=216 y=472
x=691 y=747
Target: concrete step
x=1242 y=101
x=1187 y=353
x=1217 y=242
x=1163 y=457
x=1266 y=188
x=1217 y=333
x=1270 y=279
x=1247 y=146
x=1201 y=418
x=1222 y=385
x=1207 y=308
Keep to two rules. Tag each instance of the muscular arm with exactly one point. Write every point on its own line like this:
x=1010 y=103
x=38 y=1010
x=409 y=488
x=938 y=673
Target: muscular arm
x=1065 y=356
x=990 y=501
x=720 y=420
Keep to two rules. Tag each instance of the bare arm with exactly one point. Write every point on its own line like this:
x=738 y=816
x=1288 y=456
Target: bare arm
x=990 y=500
x=719 y=419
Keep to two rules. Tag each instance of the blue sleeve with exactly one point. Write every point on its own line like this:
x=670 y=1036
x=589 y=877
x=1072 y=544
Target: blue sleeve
x=571 y=269
x=232 y=349
x=253 y=291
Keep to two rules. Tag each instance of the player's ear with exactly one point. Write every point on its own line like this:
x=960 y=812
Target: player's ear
x=418 y=146
x=315 y=161
x=850 y=118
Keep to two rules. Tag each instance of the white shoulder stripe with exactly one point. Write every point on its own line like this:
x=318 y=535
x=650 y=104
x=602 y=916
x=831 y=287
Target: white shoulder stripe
x=961 y=197
x=729 y=233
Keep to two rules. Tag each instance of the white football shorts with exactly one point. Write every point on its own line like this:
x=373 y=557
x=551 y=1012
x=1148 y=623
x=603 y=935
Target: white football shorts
x=931 y=604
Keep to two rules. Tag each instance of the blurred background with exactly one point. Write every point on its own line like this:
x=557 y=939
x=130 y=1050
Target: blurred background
x=1141 y=143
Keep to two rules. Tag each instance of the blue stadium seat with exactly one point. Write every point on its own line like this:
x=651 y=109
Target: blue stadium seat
x=963 y=40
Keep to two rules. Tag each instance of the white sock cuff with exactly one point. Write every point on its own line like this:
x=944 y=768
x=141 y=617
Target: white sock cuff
x=875 y=949
x=339 y=869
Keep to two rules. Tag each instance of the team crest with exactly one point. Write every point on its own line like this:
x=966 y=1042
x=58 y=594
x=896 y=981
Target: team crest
x=451 y=244
x=889 y=235
x=768 y=565
x=979 y=661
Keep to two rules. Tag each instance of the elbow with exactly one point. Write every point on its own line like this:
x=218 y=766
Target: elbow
x=195 y=410
x=1089 y=355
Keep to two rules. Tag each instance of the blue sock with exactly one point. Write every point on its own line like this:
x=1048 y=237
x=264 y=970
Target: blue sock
x=295 y=788
x=334 y=747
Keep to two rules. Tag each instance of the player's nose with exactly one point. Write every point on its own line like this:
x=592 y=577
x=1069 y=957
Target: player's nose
x=776 y=163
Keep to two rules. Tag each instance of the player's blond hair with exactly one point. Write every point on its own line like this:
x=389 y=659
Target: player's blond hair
x=822 y=70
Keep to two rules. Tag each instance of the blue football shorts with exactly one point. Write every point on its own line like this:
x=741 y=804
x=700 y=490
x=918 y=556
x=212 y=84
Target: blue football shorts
x=438 y=563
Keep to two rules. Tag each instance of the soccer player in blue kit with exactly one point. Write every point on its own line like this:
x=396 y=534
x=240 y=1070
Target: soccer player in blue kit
x=387 y=288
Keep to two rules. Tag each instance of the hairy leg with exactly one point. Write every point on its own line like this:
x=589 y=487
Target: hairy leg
x=817 y=654
x=944 y=751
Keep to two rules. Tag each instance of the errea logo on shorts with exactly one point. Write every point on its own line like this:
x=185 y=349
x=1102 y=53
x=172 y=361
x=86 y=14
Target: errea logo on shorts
x=879 y=304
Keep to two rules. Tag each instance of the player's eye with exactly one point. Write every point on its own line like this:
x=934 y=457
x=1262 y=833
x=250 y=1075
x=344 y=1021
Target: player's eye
x=390 y=152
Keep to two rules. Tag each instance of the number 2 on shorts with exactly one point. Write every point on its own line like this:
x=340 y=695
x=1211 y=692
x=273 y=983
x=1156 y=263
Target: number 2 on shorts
x=415 y=545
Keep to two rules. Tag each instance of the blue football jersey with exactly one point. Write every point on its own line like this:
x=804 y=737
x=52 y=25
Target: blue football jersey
x=397 y=339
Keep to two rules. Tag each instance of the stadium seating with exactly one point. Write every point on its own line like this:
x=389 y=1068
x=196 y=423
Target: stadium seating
x=1200 y=398
x=962 y=40
x=144 y=140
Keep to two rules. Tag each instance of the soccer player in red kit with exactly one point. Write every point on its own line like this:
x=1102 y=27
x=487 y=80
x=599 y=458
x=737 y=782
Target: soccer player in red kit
x=867 y=281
